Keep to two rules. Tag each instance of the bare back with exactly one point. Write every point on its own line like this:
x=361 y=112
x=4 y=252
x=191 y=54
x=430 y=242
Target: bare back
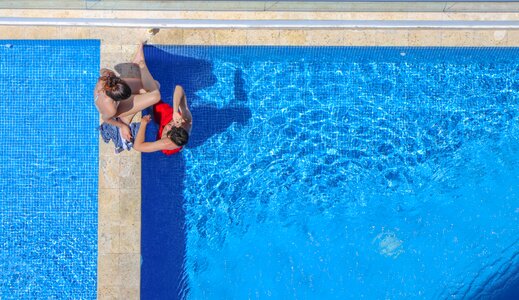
x=104 y=104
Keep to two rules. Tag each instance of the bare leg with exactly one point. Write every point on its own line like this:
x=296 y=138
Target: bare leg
x=128 y=108
x=148 y=83
x=128 y=118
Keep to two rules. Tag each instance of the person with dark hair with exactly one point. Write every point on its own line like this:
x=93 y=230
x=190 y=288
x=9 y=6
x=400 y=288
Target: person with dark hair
x=175 y=125
x=119 y=99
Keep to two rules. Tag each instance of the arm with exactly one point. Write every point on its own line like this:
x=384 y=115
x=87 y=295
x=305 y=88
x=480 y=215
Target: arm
x=180 y=101
x=114 y=122
x=140 y=145
x=125 y=129
x=186 y=113
x=178 y=95
x=107 y=115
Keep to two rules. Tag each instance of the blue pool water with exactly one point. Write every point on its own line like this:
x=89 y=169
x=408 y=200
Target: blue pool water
x=336 y=173
x=49 y=169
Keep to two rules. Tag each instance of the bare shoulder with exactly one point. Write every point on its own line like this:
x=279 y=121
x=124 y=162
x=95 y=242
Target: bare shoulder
x=99 y=93
x=167 y=144
x=106 y=106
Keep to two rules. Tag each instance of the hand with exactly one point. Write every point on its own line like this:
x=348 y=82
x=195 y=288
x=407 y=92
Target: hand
x=126 y=132
x=177 y=119
x=146 y=119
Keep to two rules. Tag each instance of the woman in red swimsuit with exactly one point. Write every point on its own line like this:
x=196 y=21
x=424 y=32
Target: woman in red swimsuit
x=175 y=125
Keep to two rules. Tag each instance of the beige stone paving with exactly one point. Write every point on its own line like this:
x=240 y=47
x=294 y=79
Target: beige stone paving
x=119 y=175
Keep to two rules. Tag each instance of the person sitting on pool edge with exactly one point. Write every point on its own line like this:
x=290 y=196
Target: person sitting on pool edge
x=175 y=125
x=119 y=99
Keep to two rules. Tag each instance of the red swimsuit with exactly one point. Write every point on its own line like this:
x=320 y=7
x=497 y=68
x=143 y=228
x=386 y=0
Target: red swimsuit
x=163 y=114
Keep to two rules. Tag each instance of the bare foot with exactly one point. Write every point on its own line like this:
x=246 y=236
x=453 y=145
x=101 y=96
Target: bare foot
x=139 y=53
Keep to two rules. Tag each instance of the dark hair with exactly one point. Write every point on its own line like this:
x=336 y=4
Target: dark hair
x=116 y=88
x=178 y=135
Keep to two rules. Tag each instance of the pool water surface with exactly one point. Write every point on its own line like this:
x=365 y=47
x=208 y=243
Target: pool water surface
x=49 y=170
x=338 y=172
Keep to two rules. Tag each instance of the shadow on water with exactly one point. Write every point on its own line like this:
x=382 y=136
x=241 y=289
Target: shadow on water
x=163 y=238
x=211 y=120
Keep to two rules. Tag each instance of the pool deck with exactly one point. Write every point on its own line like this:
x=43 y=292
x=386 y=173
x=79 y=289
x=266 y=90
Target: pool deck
x=119 y=218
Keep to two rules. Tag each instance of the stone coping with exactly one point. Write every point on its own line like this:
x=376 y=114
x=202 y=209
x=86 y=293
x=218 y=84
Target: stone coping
x=121 y=41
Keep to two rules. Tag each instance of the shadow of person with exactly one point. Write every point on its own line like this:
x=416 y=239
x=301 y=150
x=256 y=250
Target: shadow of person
x=163 y=238
x=211 y=120
x=128 y=70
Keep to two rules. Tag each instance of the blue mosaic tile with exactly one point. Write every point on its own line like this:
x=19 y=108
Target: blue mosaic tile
x=49 y=174
x=336 y=173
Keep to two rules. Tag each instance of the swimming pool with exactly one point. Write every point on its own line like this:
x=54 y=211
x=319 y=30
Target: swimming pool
x=49 y=171
x=329 y=172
